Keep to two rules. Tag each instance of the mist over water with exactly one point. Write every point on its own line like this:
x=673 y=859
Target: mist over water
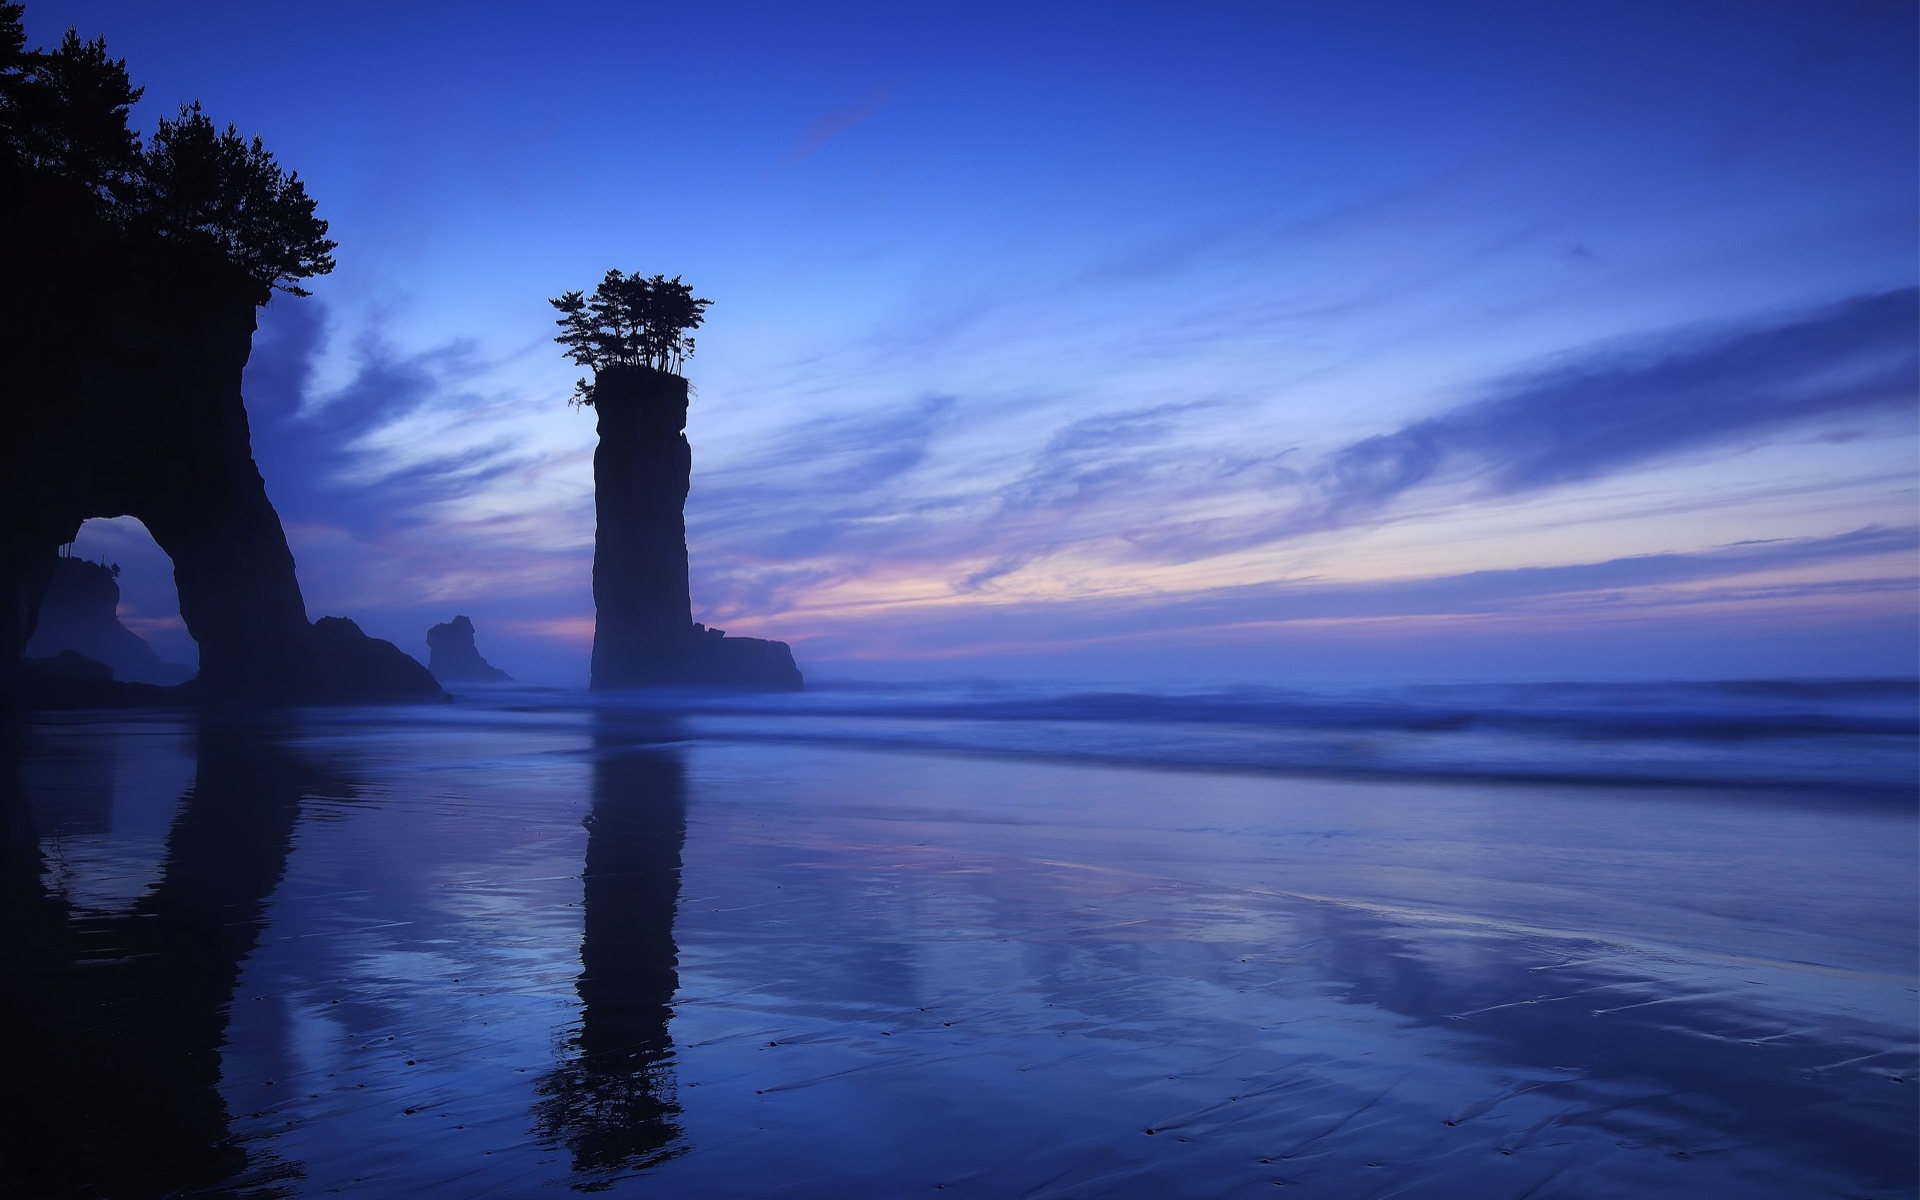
x=1851 y=737
x=976 y=939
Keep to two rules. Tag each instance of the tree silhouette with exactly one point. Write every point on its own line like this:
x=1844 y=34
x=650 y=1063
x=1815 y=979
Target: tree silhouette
x=64 y=137
x=210 y=191
x=630 y=320
x=74 y=172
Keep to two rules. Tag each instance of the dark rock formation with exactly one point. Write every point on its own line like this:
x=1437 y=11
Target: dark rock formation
x=69 y=666
x=346 y=666
x=644 y=634
x=70 y=679
x=454 y=657
x=78 y=613
x=641 y=473
x=743 y=662
x=146 y=419
x=128 y=286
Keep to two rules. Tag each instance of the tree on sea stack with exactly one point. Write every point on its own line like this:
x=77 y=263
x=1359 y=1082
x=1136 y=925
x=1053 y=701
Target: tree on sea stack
x=634 y=333
x=629 y=321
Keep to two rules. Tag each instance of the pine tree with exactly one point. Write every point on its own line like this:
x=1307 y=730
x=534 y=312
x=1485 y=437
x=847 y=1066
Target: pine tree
x=630 y=320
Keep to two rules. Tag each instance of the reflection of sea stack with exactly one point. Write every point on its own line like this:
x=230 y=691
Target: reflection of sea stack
x=633 y=332
x=612 y=1098
x=644 y=631
x=456 y=658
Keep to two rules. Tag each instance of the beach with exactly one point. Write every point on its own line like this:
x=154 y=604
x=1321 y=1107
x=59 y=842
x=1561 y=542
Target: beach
x=985 y=941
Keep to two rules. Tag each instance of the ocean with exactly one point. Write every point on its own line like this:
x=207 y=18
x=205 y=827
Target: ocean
x=973 y=938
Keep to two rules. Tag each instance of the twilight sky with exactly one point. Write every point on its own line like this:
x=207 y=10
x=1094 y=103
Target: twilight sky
x=1271 y=342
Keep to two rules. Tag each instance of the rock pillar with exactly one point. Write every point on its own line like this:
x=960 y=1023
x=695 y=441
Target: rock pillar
x=644 y=634
x=643 y=619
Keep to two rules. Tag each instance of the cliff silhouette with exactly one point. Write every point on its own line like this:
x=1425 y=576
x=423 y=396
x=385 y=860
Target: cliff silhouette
x=78 y=614
x=127 y=300
x=454 y=657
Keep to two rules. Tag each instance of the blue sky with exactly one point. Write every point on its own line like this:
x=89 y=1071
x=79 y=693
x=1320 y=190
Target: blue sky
x=1270 y=342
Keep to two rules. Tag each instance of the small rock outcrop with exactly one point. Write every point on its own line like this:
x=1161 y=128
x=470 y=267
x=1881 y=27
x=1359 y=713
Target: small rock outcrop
x=70 y=666
x=644 y=632
x=349 y=667
x=78 y=612
x=70 y=679
x=454 y=658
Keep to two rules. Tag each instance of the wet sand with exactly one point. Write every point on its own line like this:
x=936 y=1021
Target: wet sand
x=493 y=950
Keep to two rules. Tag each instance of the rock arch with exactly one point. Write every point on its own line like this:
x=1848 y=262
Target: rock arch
x=145 y=418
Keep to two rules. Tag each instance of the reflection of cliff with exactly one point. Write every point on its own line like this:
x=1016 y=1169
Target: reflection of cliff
x=612 y=1102
x=113 y=1023
x=643 y=630
x=454 y=657
x=78 y=613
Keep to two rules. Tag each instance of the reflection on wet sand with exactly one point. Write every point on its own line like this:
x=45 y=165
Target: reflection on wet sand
x=1603 y=1055
x=798 y=971
x=115 y=1019
x=611 y=1101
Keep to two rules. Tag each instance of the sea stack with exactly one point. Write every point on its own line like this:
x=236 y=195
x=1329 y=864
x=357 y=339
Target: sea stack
x=644 y=632
x=642 y=470
x=454 y=657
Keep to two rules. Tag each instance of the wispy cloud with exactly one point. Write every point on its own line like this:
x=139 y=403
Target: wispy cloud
x=413 y=490
x=849 y=498
x=332 y=455
x=830 y=125
x=1621 y=407
x=1771 y=571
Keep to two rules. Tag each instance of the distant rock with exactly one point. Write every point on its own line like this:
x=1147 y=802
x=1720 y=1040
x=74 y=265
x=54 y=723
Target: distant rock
x=78 y=613
x=71 y=666
x=80 y=656
x=454 y=658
